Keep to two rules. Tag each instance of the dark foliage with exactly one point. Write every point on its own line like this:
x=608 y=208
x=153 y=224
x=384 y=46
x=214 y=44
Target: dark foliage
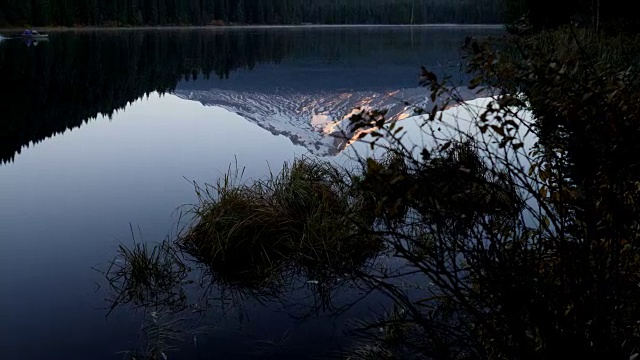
x=595 y=14
x=559 y=276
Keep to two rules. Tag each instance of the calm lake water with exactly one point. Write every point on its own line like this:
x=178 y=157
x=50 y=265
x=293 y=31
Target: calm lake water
x=103 y=130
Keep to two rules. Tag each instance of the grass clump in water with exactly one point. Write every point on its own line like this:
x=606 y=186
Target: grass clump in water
x=305 y=218
x=147 y=276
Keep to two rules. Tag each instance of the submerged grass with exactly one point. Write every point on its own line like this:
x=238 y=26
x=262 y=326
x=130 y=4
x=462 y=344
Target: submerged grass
x=161 y=334
x=305 y=218
x=147 y=275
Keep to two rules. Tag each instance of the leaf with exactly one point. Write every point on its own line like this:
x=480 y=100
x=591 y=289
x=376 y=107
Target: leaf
x=543 y=192
x=396 y=180
x=544 y=175
x=498 y=129
x=373 y=165
x=475 y=82
x=512 y=123
x=427 y=77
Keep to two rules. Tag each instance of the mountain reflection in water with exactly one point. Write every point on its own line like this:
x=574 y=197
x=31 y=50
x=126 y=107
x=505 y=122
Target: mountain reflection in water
x=279 y=79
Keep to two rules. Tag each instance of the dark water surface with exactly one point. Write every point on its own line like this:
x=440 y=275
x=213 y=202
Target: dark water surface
x=100 y=130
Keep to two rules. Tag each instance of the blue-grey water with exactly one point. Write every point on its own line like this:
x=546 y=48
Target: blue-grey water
x=103 y=130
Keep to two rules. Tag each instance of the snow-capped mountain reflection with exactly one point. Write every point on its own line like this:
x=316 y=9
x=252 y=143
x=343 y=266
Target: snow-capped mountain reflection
x=315 y=120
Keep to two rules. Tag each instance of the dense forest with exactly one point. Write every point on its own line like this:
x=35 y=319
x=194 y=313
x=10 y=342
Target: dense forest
x=593 y=14
x=206 y=12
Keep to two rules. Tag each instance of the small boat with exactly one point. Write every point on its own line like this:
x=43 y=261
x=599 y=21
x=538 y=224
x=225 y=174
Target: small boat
x=33 y=35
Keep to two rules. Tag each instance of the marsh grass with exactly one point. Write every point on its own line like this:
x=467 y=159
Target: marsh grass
x=303 y=220
x=303 y=230
x=147 y=275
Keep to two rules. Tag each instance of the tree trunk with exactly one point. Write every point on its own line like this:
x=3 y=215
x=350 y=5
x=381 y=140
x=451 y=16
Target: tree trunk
x=596 y=15
x=413 y=7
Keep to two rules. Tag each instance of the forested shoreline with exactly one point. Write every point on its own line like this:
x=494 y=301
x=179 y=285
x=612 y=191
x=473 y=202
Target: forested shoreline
x=19 y=13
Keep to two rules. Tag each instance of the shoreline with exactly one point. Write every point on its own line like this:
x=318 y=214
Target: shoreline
x=249 y=27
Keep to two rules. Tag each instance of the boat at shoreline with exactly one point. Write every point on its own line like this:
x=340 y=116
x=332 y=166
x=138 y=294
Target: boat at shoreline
x=33 y=35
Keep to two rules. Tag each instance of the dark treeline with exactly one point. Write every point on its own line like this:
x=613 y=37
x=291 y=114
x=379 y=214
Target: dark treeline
x=205 y=12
